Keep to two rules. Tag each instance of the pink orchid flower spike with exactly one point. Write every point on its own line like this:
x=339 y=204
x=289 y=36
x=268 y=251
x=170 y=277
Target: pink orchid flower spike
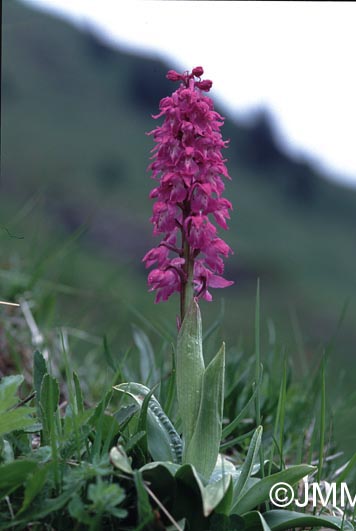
x=189 y=169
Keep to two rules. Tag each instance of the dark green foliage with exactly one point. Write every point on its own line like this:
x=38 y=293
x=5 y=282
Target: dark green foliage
x=73 y=232
x=79 y=121
x=78 y=464
x=221 y=522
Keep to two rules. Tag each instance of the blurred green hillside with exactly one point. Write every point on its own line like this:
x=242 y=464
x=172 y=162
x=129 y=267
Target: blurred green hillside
x=74 y=204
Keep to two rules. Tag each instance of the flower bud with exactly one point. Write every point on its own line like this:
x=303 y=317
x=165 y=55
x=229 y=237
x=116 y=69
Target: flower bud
x=198 y=71
x=173 y=75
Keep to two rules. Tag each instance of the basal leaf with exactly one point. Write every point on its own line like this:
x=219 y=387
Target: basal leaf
x=160 y=476
x=283 y=519
x=223 y=467
x=214 y=493
x=189 y=370
x=203 y=448
x=222 y=522
x=164 y=443
x=260 y=490
x=255 y=520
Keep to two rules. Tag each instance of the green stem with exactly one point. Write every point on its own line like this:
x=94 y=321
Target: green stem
x=187 y=292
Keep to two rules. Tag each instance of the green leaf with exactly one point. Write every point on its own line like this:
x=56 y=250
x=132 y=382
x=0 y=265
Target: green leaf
x=78 y=394
x=189 y=370
x=214 y=493
x=14 y=474
x=259 y=492
x=171 y=387
x=280 y=520
x=145 y=512
x=104 y=427
x=247 y=467
x=183 y=491
x=135 y=440
x=255 y=520
x=234 y=423
x=164 y=443
x=105 y=497
x=99 y=409
x=17 y=419
x=225 y=503
x=349 y=467
x=49 y=398
x=142 y=421
x=8 y=389
x=221 y=522
x=160 y=476
x=125 y=414
x=149 y=374
x=39 y=370
x=120 y=460
x=107 y=354
x=78 y=510
x=34 y=484
x=203 y=448
x=159 y=468
x=223 y=467
x=232 y=442
x=226 y=473
x=50 y=505
x=189 y=496
x=6 y=451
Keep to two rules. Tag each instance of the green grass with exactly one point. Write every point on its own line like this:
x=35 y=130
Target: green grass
x=54 y=456
x=74 y=226
x=70 y=124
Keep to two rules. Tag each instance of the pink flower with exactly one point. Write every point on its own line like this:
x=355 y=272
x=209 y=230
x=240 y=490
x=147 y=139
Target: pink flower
x=189 y=168
x=200 y=232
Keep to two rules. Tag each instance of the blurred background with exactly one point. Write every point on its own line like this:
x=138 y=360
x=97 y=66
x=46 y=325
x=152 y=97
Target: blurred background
x=74 y=206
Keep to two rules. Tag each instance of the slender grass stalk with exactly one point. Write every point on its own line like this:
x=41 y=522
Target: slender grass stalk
x=322 y=420
x=234 y=423
x=95 y=450
x=283 y=396
x=279 y=420
x=258 y=369
x=54 y=438
x=236 y=440
x=71 y=393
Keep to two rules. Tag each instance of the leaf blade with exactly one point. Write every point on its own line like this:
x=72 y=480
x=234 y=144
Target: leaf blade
x=203 y=449
x=189 y=370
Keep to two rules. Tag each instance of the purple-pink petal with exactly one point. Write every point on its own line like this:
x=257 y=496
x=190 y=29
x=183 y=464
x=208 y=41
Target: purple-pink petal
x=189 y=167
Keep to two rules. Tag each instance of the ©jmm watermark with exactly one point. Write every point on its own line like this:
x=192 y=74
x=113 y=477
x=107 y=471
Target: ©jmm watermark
x=282 y=494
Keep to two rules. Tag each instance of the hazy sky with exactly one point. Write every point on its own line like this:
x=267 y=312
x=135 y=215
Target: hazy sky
x=295 y=58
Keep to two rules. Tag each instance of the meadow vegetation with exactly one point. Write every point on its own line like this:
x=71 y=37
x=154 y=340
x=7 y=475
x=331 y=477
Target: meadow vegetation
x=73 y=230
